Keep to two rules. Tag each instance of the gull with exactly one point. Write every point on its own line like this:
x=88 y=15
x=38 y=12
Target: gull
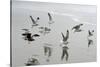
x=77 y=28
x=64 y=46
x=34 y=21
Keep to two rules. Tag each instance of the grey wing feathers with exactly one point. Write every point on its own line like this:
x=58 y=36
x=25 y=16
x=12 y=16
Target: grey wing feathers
x=67 y=35
x=50 y=18
x=32 y=20
x=63 y=36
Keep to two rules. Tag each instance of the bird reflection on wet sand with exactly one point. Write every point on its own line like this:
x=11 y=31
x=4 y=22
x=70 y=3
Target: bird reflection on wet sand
x=44 y=30
x=47 y=50
x=32 y=61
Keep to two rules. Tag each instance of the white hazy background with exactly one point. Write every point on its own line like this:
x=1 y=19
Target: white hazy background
x=5 y=32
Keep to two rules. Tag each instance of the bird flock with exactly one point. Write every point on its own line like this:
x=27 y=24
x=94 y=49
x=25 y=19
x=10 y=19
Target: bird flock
x=43 y=30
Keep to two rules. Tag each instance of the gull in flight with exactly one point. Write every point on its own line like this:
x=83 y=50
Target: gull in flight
x=34 y=21
x=77 y=28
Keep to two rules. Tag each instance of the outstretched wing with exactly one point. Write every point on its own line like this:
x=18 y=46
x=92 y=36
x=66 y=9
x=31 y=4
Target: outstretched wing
x=36 y=35
x=72 y=28
x=50 y=18
x=63 y=36
x=32 y=20
x=25 y=29
x=67 y=35
x=89 y=32
x=76 y=27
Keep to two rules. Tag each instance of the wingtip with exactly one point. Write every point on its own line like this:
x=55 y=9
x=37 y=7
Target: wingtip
x=38 y=18
x=61 y=33
x=48 y=13
x=30 y=16
x=67 y=30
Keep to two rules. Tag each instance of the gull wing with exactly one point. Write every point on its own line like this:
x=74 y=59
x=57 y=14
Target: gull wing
x=32 y=20
x=67 y=35
x=50 y=18
x=63 y=36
